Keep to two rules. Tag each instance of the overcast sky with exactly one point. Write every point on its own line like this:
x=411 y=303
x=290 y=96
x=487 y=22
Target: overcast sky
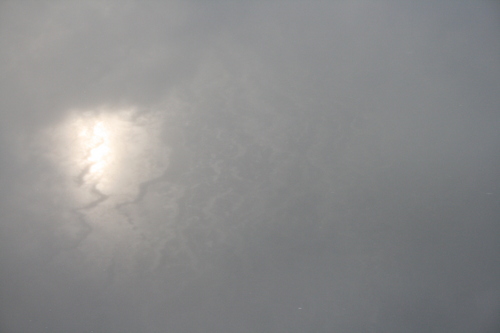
x=267 y=166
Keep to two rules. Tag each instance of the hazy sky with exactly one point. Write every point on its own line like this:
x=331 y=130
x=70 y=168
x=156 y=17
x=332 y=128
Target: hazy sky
x=267 y=166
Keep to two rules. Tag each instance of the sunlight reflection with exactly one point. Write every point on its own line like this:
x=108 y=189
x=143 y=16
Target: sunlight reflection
x=99 y=145
x=110 y=151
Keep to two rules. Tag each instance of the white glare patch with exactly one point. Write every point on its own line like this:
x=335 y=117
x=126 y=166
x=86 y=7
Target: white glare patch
x=110 y=152
x=97 y=140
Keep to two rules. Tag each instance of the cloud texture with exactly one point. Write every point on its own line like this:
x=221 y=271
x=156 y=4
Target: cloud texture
x=182 y=166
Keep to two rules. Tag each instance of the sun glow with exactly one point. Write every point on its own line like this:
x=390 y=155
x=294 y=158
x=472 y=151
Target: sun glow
x=96 y=149
x=109 y=151
x=97 y=140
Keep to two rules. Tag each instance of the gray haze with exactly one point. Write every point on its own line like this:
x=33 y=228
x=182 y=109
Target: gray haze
x=282 y=166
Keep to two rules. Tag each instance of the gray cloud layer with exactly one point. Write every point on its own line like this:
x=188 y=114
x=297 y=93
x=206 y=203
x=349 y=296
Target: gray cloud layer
x=305 y=167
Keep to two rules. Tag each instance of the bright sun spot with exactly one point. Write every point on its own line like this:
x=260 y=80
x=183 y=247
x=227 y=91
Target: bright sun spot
x=96 y=147
x=109 y=151
x=98 y=143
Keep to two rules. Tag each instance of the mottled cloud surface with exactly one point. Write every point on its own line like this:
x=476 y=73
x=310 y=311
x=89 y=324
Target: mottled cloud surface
x=188 y=166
